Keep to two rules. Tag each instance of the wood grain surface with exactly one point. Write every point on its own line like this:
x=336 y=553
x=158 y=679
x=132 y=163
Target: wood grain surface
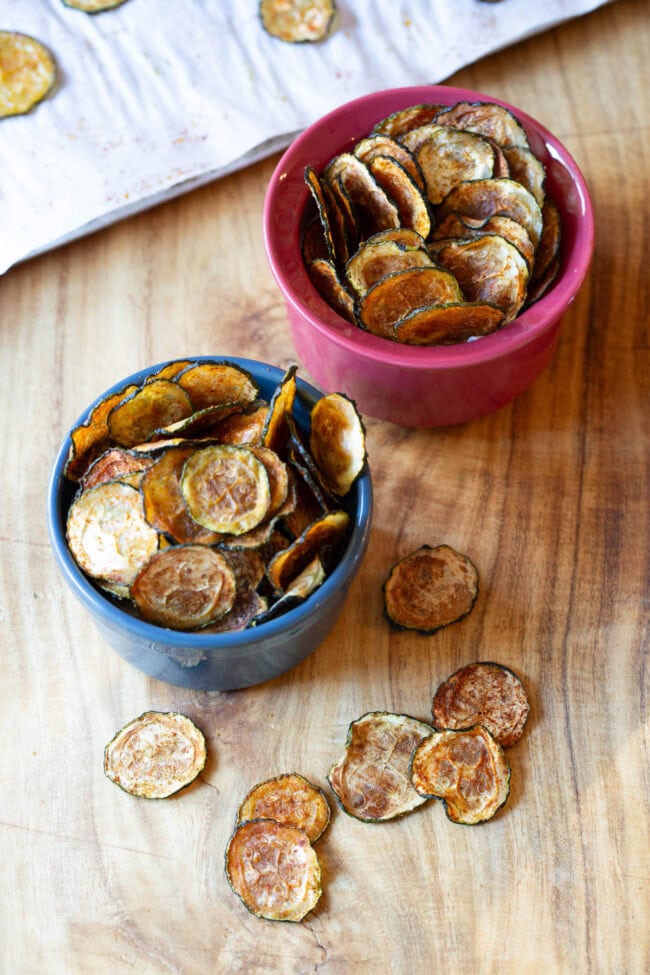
x=548 y=496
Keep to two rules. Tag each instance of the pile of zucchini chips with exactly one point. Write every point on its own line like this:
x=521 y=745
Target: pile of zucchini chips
x=435 y=228
x=202 y=507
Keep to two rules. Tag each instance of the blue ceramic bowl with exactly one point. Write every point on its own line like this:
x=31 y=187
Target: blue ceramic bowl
x=224 y=661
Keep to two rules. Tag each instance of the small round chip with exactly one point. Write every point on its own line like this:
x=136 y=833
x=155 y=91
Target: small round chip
x=429 y=589
x=274 y=869
x=27 y=73
x=184 y=587
x=377 y=258
x=483 y=693
x=164 y=506
x=152 y=406
x=297 y=21
x=226 y=488
x=290 y=799
x=467 y=769
x=156 y=755
x=337 y=442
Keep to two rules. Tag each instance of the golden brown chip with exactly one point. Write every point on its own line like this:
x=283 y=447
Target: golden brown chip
x=114 y=464
x=152 y=406
x=407 y=196
x=184 y=587
x=371 y=780
x=93 y=6
x=393 y=297
x=384 y=145
x=289 y=799
x=325 y=279
x=430 y=588
x=247 y=607
x=485 y=118
x=298 y=21
x=375 y=259
x=108 y=534
x=325 y=209
x=226 y=488
x=453 y=225
x=447 y=157
x=164 y=505
x=27 y=73
x=527 y=169
x=275 y=432
x=169 y=371
x=375 y=211
x=245 y=428
x=212 y=384
x=465 y=768
x=483 y=198
x=274 y=869
x=549 y=243
x=91 y=438
x=325 y=533
x=278 y=474
x=401 y=235
x=406 y=119
x=156 y=755
x=337 y=442
x=484 y=693
x=447 y=324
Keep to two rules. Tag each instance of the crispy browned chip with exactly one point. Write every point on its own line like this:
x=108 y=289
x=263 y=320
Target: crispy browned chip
x=375 y=211
x=226 y=488
x=484 y=198
x=91 y=438
x=152 y=406
x=467 y=769
x=247 y=607
x=447 y=324
x=289 y=799
x=453 y=225
x=213 y=384
x=325 y=279
x=164 y=504
x=396 y=295
x=489 y=269
x=114 y=464
x=156 y=755
x=527 y=169
x=93 y=6
x=485 y=118
x=337 y=442
x=327 y=208
x=384 y=145
x=447 y=157
x=401 y=235
x=278 y=475
x=407 y=196
x=323 y=534
x=27 y=72
x=549 y=243
x=108 y=534
x=484 y=693
x=405 y=119
x=371 y=780
x=274 y=869
x=169 y=371
x=314 y=245
x=375 y=259
x=184 y=587
x=542 y=285
x=245 y=428
x=201 y=424
x=275 y=432
x=297 y=21
x=430 y=588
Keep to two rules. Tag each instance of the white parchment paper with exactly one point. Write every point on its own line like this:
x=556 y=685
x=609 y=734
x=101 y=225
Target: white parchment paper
x=159 y=96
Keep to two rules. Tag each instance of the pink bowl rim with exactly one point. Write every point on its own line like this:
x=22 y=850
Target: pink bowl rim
x=526 y=328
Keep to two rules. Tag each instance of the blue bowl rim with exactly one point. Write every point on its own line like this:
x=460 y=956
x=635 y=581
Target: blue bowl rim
x=292 y=621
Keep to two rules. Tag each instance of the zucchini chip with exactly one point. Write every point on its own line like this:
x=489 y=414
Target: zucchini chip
x=325 y=279
x=203 y=423
x=27 y=73
x=429 y=589
x=527 y=169
x=447 y=324
x=108 y=534
x=226 y=489
x=184 y=587
x=243 y=428
x=549 y=244
x=371 y=780
x=406 y=119
x=448 y=157
x=393 y=297
x=114 y=464
x=383 y=145
x=376 y=258
x=274 y=869
x=325 y=209
x=485 y=118
x=324 y=534
x=314 y=245
x=152 y=406
x=542 y=284
x=337 y=442
x=484 y=693
x=248 y=607
x=164 y=505
x=483 y=198
x=301 y=587
x=169 y=371
x=156 y=755
x=489 y=269
x=91 y=438
x=453 y=225
x=93 y=6
x=298 y=21
x=278 y=474
x=402 y=189
x=288 y=799
x=467 y=769
x=374 y=209
x=401 y=235
x=210 y=384
x=276 y=431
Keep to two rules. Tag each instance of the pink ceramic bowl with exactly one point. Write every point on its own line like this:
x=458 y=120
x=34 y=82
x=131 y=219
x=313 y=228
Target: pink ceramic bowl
x=409 y=385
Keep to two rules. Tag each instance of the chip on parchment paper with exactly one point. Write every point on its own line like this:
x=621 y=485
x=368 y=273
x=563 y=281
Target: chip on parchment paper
x=298 y=21
x=27 y=72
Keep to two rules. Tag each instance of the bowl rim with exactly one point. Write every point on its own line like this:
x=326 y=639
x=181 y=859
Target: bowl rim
x=248 y=640
x=535 y=320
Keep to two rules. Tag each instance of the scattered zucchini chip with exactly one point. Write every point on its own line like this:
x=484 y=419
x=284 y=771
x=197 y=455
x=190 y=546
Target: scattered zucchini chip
x=377 y=258
x=406 y=119
x=107 y=532
x=485 y=198
x=467 y=769
x=289 y=799
x=527 y=169
x=27 y=73
x=152 y=406
x=447 y=324
x=211 y=384
x=276 y=432
x=384 y=145
x=184 y=587
x=298 y=21
x=485 y=118
x=489 y=269
x=93 y=6
x=454 y=225
x=430 y=588
x=448 y=157
x=483 y=693
x=323 y=534
x=371 y=780
x=91 y=438
x=375 y=210
x=226 y=488
x=156 y=755
x=324 y=277
x=113 y=465
x=274 y=869
x=402 y=189
x=393 y=297
x=164 y=505
x=337 y=442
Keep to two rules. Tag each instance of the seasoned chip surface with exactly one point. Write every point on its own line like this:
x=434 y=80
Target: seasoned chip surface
x=465 y=768
x=226 y=488
x=297 y=21
x=155 y=755
x=430 y=588
x=290 y=799
x=152 y=406
x=274 y=869
x=337 y=441
x=27 y=72
x=371 y=780
x=483 y=693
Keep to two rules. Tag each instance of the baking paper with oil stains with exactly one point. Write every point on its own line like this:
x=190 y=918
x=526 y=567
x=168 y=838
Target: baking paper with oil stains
x=157 y=97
